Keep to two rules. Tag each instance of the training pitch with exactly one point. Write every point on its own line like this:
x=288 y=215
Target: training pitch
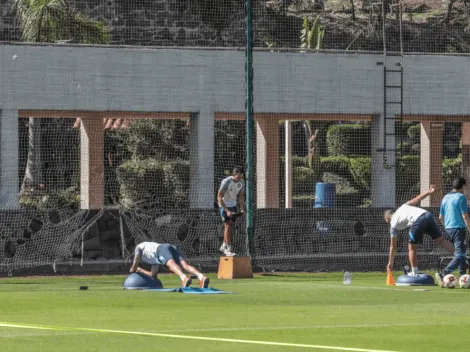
x=285 y=312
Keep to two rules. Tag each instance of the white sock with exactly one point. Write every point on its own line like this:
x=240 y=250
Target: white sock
x=200 y=276
x=414 y=270
x=183 y=277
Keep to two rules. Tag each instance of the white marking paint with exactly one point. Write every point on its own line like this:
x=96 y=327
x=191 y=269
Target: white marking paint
x=201 y=338
x=307 y=327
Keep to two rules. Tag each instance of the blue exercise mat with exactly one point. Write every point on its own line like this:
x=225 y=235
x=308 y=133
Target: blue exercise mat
x=203 y=291
x=191 y=290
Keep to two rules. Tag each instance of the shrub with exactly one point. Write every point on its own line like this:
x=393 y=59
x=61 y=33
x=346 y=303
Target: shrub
x=414 y=132
x=303 y=180
x=349 y=139
x=297 y=161
x=404 y=148
x=360 y=169
x=68 y=198
x=407 y=177
x=451 y=169
x=150 y=183
x=338 y=165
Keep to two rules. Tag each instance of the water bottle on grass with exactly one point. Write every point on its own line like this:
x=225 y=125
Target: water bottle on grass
x=347 y=278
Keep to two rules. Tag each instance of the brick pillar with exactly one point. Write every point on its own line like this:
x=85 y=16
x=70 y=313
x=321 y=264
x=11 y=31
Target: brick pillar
x=466 y=155
x=91 y=163
x=267 y=163
x=431 y=161
x=201 y=192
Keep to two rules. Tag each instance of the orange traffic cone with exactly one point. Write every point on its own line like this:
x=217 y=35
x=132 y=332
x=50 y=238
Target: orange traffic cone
x=390 y=281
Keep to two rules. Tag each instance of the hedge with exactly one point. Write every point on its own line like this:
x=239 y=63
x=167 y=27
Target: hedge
x=338 y=165
x=297 y=161
x=303 y=180
x=407 y=177
x=414 y=132
x=451 y=169
x=151 y=183
x=349 y=139
x=360 y=169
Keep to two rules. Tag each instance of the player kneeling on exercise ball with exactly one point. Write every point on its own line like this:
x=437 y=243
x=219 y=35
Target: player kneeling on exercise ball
x=168 y=255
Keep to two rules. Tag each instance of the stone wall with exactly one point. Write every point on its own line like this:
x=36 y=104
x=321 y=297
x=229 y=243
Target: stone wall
x=201 y=23
x=9 y=30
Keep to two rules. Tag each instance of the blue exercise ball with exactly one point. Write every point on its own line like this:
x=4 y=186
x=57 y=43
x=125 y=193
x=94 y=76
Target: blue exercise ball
x=420 y=280
x=140 y=281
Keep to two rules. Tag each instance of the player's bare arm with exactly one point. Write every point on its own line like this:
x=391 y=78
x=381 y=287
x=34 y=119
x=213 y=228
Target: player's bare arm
x=418 y=199
x=220 y=199
x=154 y=272
x=135 y=264
x=393 y=249
x=466 y=219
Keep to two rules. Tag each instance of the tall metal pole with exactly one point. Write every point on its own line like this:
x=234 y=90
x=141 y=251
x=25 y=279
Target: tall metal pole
x=249 y=123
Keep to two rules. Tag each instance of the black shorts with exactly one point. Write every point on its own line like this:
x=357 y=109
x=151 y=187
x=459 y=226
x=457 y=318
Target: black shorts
x=165 y=252
x=225 y=217
x=424 y=224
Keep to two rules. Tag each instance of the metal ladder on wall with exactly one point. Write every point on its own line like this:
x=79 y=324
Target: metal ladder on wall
x=392 y=86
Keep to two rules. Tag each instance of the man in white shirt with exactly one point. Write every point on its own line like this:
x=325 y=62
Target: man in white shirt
x=420 y=222
x=230 y=196
x=165 y=254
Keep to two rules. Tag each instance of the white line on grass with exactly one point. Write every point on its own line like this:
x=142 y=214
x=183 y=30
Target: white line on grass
x=42 y=334
x=187 y=337
x=307 y=327
x=387 y=288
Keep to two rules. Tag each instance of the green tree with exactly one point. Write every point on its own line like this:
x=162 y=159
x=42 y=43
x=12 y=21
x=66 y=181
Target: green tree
x=49 y=21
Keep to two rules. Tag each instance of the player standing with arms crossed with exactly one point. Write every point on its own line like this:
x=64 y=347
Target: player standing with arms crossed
x=230 y=196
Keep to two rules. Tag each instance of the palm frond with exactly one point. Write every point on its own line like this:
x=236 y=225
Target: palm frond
x=54 y=20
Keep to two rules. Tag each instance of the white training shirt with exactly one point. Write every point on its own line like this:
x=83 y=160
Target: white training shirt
x=231 y=189
x=404 y=217
x=148 y=252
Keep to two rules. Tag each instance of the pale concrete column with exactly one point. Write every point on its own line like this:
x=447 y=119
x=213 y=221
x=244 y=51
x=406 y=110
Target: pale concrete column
x=9 y=192
x=91 y=163
x=288 y=163
x=431 y=161
x=267 y=163
x=202 y=140
x=383 y=177
x=466 y=155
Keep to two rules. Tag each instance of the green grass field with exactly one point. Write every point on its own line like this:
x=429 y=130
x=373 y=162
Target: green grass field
x=269 y=313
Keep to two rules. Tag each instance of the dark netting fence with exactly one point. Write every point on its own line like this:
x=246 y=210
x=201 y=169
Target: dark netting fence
x=120 y=119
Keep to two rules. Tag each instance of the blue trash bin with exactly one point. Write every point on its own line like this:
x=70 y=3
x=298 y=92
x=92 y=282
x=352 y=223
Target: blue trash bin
x=325 y=195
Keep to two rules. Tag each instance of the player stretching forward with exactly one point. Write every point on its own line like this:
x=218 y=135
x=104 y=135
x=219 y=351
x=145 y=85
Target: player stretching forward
x=419 y=221
x=454 y=216
x=230 y=195
x=154 y=254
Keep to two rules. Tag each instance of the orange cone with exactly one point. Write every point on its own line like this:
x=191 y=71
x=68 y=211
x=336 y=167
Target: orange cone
x=390 y=281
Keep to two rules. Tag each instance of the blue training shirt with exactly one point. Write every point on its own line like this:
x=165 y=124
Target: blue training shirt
x=453 y=205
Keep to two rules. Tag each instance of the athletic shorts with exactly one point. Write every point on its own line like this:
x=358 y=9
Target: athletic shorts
x=459 y=239
x=165 y=252
x=225 y=217
x=424 y=224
